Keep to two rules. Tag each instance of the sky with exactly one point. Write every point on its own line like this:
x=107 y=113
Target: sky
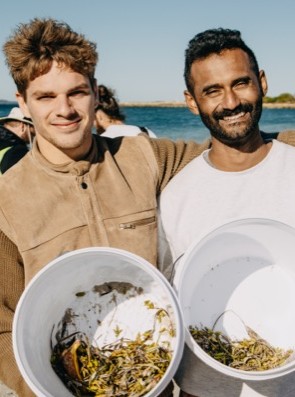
x=141 y=43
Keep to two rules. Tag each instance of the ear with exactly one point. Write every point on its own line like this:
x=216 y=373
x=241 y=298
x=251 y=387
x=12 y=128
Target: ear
x=22 y=104
x=191 y=103
x=100 y=115
x=263 y=82
x=102 y=119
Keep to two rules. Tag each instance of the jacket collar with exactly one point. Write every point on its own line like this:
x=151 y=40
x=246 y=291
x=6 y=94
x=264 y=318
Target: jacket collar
x=73 y=167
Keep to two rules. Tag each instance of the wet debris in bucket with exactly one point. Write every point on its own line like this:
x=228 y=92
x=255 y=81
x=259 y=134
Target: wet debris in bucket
x=127 y=368
x=119 y=286
x=249 y=354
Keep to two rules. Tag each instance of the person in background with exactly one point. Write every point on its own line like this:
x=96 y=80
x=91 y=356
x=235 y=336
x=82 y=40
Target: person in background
x=110 y=120
x=240 y=176
x=106 y=96
x=16 y=133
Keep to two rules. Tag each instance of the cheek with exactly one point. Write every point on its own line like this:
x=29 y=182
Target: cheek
x=208 y=107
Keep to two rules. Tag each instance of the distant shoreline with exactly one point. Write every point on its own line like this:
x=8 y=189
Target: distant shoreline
x=176 y=104
x=173 y=104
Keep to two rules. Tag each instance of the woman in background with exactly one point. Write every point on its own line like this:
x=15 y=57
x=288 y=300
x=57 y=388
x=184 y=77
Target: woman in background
x=110 y=121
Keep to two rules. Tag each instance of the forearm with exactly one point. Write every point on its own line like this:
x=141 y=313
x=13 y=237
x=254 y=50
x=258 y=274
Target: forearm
x=287 y=137
x=10 y=374
x=11 y=288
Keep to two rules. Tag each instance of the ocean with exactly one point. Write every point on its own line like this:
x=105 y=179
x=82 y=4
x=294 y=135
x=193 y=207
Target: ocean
x=180 y=123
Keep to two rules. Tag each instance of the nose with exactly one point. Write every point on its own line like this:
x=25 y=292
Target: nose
x=64 y=106
x=230 y=100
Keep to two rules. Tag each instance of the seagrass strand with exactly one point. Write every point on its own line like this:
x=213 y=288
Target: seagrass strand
x=124 y=367
x=249 y=354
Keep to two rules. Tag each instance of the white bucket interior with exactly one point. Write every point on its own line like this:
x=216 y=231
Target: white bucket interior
x=53 y=292
x=245 y=272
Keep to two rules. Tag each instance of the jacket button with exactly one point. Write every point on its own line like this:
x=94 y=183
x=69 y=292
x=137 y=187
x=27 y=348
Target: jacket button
x=84 y=185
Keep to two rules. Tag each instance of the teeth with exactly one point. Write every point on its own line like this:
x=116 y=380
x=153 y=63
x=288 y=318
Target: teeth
x=236 y=116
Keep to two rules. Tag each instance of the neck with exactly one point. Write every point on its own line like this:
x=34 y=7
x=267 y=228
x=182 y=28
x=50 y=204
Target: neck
x=57 y=156
x=227 y=158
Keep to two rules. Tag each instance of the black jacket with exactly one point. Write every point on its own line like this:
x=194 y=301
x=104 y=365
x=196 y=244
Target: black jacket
x=18 y=148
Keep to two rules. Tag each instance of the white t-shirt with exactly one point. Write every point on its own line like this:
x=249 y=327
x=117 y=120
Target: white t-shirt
x=201 y=198
x=116 y=130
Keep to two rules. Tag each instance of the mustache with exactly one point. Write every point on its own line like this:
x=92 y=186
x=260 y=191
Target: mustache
x=246 y=107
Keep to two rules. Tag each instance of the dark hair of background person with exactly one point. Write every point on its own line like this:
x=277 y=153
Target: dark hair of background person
x=108 y=103
x=214 y=41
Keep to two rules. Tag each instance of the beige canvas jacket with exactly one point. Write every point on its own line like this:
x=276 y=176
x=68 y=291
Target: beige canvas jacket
x=108 y=199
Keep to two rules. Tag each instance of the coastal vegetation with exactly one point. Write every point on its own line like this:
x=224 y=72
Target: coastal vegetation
x=286 y=97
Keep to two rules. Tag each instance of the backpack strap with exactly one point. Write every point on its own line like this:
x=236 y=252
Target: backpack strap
x=269 y=136
x=2 y=154
x=143 y=129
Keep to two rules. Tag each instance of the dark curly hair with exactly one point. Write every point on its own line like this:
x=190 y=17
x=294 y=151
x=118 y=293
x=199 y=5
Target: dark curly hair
x=33 y=47
x=214 y=41
x=108 y=103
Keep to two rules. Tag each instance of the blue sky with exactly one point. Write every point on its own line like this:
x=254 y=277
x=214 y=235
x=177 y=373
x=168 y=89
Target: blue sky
x=141 y=43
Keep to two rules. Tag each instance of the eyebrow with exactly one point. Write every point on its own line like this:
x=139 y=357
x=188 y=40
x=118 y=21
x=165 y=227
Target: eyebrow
x=245 y=79
x=50 y=93
x=210 y=87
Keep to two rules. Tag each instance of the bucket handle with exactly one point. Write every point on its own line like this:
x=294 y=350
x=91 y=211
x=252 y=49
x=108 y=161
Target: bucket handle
x=250 y=331
x=172 y=274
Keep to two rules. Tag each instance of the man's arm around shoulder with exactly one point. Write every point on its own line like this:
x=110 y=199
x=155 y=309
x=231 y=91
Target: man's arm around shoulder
x=173 y=156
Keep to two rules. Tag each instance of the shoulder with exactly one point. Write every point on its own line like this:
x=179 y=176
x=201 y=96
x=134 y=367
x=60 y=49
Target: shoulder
x=125 y=146
x=114 y=131
x=283 y=147
x=16 y=174
x=168 y=147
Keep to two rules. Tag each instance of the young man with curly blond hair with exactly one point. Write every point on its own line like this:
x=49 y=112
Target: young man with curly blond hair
x=74 y=189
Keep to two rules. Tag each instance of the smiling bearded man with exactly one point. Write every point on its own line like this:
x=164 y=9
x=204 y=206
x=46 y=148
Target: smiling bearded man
x=240 y=176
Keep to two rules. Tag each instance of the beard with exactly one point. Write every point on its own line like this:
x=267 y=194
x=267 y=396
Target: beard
x=238 y=134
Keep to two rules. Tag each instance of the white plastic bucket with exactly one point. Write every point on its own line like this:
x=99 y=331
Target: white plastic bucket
x=245 y=272
x=68 y=283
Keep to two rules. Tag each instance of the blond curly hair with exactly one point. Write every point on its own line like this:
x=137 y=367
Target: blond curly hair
x=33 y=47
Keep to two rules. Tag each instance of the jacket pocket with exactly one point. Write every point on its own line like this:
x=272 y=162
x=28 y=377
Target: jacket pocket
x=137 y=223
x=136 y=233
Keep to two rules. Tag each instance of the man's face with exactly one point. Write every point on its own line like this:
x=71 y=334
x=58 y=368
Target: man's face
x=227 y=95
x=61 y=105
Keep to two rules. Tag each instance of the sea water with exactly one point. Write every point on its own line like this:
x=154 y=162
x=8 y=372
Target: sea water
x=180 y=123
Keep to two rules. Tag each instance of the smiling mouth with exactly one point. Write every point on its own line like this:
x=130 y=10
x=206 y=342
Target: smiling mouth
x=67 y=124
x=234 y=118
